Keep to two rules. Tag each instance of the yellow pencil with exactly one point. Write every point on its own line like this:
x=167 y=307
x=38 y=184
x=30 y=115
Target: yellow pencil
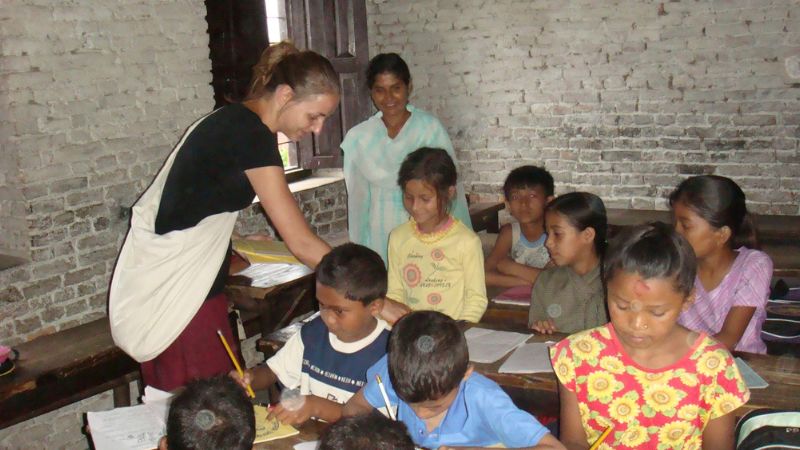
x=235 y=362
x=602 y=438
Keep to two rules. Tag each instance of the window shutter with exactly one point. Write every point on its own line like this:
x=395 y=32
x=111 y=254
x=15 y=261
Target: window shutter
x=237 y=32
x=336 y=29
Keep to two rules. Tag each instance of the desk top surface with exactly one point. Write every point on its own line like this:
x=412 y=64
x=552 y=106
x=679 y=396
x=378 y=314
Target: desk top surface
x=309 y=431
x=781 y=372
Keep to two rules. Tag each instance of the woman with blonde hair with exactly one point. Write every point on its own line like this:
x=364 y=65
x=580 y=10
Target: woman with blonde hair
x=166 y=300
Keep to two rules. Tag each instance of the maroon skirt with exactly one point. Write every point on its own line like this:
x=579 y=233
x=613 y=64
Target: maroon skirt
x=197 y=352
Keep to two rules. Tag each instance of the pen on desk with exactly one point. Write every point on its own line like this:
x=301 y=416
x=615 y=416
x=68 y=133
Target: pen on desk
x=385 y=397
x=235 y=363
x=602 y=438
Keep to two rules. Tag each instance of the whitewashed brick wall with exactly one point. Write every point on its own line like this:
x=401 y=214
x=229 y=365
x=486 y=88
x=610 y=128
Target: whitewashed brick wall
x=94 y=95
x=621 y=98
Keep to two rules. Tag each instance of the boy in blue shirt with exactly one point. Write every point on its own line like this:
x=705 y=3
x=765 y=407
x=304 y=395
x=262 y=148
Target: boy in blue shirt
x=427 y=376
x=327 y=360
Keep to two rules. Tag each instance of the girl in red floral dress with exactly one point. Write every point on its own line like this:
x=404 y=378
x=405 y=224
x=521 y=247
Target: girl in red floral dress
x=655 y=383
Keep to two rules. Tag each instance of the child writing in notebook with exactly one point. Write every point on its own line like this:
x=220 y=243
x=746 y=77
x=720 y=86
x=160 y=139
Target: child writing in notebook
x=210 y=414
x=733 y=278
x=327 y=360
x=435 y=261
x=570 y=296
x=655 y=383
x=519 y=254
x=443 y=403
x=372 y=431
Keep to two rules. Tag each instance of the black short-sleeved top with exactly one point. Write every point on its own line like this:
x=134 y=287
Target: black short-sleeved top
x=207 y=176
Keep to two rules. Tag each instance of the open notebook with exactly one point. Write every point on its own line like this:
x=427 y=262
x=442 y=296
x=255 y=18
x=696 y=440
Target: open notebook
x=140 y=427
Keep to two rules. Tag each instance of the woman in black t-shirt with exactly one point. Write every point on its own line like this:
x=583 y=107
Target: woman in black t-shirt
x=166 y=301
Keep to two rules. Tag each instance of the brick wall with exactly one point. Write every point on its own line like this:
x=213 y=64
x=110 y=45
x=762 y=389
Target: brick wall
x=620 y=98
x=95 y=94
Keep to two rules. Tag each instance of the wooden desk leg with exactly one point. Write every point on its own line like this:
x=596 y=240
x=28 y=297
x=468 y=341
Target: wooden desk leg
x=493 y=225
x=122 y=395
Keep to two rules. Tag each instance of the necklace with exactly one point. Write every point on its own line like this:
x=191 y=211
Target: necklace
x=435 y=235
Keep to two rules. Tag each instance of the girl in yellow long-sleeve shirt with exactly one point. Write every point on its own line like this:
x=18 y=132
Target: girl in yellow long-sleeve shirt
x=435 y=261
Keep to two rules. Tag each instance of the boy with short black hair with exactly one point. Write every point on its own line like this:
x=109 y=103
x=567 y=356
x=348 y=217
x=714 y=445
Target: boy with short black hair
x=328 y=358
x=519 y=253
x=372 y=431
x=210 y=414
x=428 y=377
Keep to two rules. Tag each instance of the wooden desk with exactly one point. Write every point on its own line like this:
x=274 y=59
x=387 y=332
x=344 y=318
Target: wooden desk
x=265 y=310
x=62 y=368
x=779 y=236
x=503 y=315
x=539 y=392
x=309 y=431
x=484 y=216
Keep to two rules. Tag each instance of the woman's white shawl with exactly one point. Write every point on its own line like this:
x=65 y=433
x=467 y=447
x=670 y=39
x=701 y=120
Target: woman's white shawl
x=160 y=281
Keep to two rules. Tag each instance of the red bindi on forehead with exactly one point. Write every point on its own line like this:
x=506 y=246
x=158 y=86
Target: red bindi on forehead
x=640 y=287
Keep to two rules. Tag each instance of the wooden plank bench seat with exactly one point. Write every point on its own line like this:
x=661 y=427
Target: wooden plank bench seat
x=61 y=368
x=779 y=236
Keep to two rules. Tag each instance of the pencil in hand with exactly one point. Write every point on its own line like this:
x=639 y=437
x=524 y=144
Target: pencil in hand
x=602 y=438
x=385 y=397
x=235 y=363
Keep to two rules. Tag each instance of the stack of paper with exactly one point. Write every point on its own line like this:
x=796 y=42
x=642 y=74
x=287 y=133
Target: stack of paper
x=487 y=346
x=270 y=429
x=264 y=251
x=529 y=358
x=266 y=275
x=134 y=427
x=520 y=296
x=140 y=427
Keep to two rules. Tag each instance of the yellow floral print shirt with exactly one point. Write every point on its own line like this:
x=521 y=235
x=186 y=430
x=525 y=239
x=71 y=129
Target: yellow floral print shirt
x=649 y=409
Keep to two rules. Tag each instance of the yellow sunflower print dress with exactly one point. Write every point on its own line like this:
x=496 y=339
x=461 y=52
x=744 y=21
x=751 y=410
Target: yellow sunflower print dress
x=649 y=409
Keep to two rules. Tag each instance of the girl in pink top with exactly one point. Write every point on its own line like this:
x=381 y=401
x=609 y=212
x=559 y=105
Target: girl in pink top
x=732 y=283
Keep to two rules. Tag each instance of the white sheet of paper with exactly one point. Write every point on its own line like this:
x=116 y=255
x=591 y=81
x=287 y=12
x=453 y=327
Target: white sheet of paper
x=533 y=357
x=487 y=346
x=310 y=445
x=158 y=402
x=751 y=378
x=129 y=428
x=265 y=275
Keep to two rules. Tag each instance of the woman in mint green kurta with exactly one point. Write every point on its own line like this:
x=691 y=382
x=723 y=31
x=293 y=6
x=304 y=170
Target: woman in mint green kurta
x=375 y=148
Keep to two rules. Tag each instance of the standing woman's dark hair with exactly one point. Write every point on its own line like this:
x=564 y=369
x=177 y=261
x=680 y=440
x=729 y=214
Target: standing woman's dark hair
x=388 y=63
x=306 y=72
x=584 y=210
x=721 y=203
x=433 y=166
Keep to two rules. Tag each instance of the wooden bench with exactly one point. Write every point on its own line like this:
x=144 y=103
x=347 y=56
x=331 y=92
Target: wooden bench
x=485 y=216
x=779 y=236
x=61 y=368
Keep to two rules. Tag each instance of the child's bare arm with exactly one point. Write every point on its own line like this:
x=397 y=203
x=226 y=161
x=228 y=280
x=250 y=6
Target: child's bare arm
x=357 y=405
x=259 y=377
x=312 y=406
x=502 y=246
x=734 y=326
x=510 y=267
x=718 y=434
x=497 y=279
x=393 y=310
x=572 y=434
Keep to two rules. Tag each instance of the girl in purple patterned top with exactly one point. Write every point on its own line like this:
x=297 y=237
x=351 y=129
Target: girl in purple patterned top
x=732 y=283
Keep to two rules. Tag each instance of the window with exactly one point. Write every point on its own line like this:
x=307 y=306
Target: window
x=240 y=29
